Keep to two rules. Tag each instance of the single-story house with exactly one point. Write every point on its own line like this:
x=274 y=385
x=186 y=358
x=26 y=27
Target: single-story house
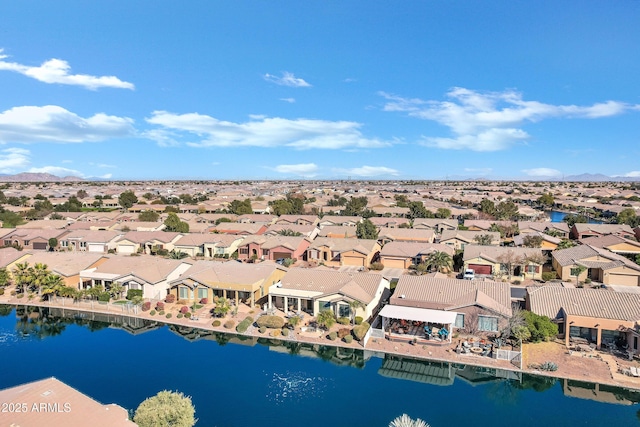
x=561 y=229
x=386 y=235
x=403 y=254
x=89 y=241
x=338 y=232
x=501 y=261
x=208 y=245
x=598 y=265
x=273 y=247
x=381 y=221
x=548 y=243
x=436 y=224
x=458 y=239
x=582 y=230
x=485 y=225
x=297 y=220
x=240 y=228
x=309 y=231
x=147 y=242
x=264 y=219
x=613 y=243
x=350 y=221
x=339 y=252
x=67 y=265
x=37 y=239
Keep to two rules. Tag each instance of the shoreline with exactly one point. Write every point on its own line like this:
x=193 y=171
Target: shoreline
x=382 y=346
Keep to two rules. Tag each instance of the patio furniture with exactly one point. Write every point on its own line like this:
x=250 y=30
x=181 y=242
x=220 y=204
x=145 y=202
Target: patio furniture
x=634 y=371
x=477 y=350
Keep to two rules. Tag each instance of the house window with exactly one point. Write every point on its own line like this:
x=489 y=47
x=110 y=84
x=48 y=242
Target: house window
x=184 y=292
x=459 y=321
x=64 y=244
x=344 y=310
x=244 y=251
x=324 y=305
x=532 y=269
x=26 y=242
x=7 y=243
x=488 y=323
x=575 y=271
x=203 y=293
x=504 y=268
x=265 y=252
x=83 y=244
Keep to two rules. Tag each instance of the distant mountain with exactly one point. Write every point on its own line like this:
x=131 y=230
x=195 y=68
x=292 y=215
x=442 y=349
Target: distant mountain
x=597 y=177
x=37 y=177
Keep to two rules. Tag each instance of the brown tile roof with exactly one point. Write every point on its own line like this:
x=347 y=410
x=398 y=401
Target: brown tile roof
x=597 y=303
x=338 y=230
x=65 y=263
x=413 y=249
x=364 y=246
x=9 y=255
x=493 y=253
x=608 y=240
x=571 y=256
x=148 y=268
x=468 y=236
x=148 y=236
x=603 y=228
x=212 y=272
x=407 y=234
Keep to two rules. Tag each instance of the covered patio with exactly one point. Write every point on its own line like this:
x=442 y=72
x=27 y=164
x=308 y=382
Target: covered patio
x=417 y=324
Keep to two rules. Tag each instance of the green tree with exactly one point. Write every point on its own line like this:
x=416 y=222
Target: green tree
x=440 y=261
x=281 y=207
x=177 y=254
x=506 y=210
x=487 y=207
x=443 y=213
x=628 y=216
x=417 y=210
x=52 y=285
x=288 y=232
x=82 y=194
x=10 y=219
x=326 y=319
x=546 y=200
x=402 y=201
x=240 y=207
x=166 y=409
x=532 y=241
x=355 y=206
x=173 y=223
x=572 y=219
x=22 y=276
x=127 y=199
x=577 y=270
x=116 y=289
x=541 y=328
x=565 y=244
x=148 y=216
x=5 y=277
x=53 y=243
x=354 y=305
x=483 y=239
x=366 y=230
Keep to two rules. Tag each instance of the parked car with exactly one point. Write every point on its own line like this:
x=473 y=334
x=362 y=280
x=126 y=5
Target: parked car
x=469 y=274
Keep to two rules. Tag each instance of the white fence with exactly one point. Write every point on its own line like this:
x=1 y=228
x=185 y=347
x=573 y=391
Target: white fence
x=515 y=357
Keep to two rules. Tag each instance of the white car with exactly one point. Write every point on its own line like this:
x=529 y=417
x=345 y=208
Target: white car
x=469 y=274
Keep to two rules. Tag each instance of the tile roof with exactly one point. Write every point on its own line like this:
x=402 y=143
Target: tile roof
x=468 y=235
x=570 y=256
x=603 y=228
x=493 y=253
x=364 y=246
x=413 y=249
x=148 y=268
x=65 y=263
x=212 y=272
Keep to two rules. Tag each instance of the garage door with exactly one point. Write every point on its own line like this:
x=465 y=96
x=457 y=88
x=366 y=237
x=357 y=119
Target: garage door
x=96 y=248
x=480 y=269
x=623 y=279
x=347 y=260
x=40 y=245
x=283 y=255
x=126 y=249
x=394 y=263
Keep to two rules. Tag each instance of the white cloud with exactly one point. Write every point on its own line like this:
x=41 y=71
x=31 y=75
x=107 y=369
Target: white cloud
x=287 y=79
x=14 y=160
x=57 y=170
x=369 y=171
x=632 y=174
x=51 y=123
x=57 y=71
x=259 y=132
x=289 y=100
x=491 y=121
x=542 y=172
x=102 y=165
x=302 y=169
x=106 y=176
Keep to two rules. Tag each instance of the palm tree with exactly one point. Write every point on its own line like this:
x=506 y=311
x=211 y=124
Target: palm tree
x=40 y=272
x=565 y=244
x=354 y=306
x=22 y=276
x=115 y=289
x=406 y=421
x=177 y=254
x=52 y=285
x=441 y=261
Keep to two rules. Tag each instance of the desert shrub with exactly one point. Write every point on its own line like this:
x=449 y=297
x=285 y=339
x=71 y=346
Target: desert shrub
x=376 y=266
x=343 y=332
x=13 y=293
x=184 y=309
x=272 y=322
x=359 y=320
x=348 y=339
x=20 y=295
x=262 y=329
x=343 y=320
x=587 y=281
x=293 y=321
x=540 y=327
x=187 y=315
x=146 y=306
x=132 y=293
x=159 y=305
x=332 y=336
x=229 y=324
x=243 y=326
x=179 y=316
x=216 y=323
x=549 y=275
x=249 y=319
x=1 y=291
x=360 y=331
x=152 y=312
x=168 y=316
x=276 y=332
x=204 y=301
x=285 y=332
x=104 y=297
x=181 y=302
x=161 y=312
x=517 y=282
x=170 y=299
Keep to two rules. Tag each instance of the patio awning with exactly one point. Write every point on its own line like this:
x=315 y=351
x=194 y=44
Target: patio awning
x=418 y=314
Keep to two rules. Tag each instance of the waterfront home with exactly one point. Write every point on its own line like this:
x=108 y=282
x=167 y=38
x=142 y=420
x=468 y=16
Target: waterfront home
x=148 y=242
x=470 y=305
x=598 y=316
x=37 y=239
x=547 y=243
x=10 y=256
x=582 y=230
x=243 y=229
x=208 y=245
x=240 y=282
x=404 y=254
x=436 y=224
x=458 y=239
x=339 y=252
x=50 y=402
x=350 y=221
x=147 y=273
x=559 y=229
x=386 y=235
x=338 y=232
x=313 y=290
x=596 y=264
x=272 y=247
x=614 y=243
x=67 y=265
x=502 y=261
x=89 y=241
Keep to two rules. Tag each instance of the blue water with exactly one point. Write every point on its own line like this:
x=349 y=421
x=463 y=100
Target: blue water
x=250 y=384
x=557 y=216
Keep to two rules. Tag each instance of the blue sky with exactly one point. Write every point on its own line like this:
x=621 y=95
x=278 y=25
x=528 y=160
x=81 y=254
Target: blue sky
x=424 y=89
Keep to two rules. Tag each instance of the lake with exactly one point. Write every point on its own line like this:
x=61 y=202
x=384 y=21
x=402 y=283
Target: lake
x=558 y=216
x=238 y=381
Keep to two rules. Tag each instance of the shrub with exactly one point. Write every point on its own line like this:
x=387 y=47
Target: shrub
x=152 y=312
x=360 y=331
x=343 y=332
x=204 y=301
x=104 y=297
x=359 y=320
x=216 y=323
x=587 y=281
x=229 y=324
x=517 y=282
x=184 y=309
x=272 y=322
x=549 y=275
x=132 y=293
x=540 y=327
x=348 y=339
x=159 y=305
x=293 y=321
x=13 y=293
x=249 y=319
x=168 y=316
x=376 y=266
x=332 y=336
x=275 y=333
x=161 y=312
x=20 y=295
x=285 y=332
x=1 y=291
x=343 y=320
x=262 y=329
x=170 y=299
x=179 y=316
x=243 y=326
x=187 y=315
x=146 y=306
